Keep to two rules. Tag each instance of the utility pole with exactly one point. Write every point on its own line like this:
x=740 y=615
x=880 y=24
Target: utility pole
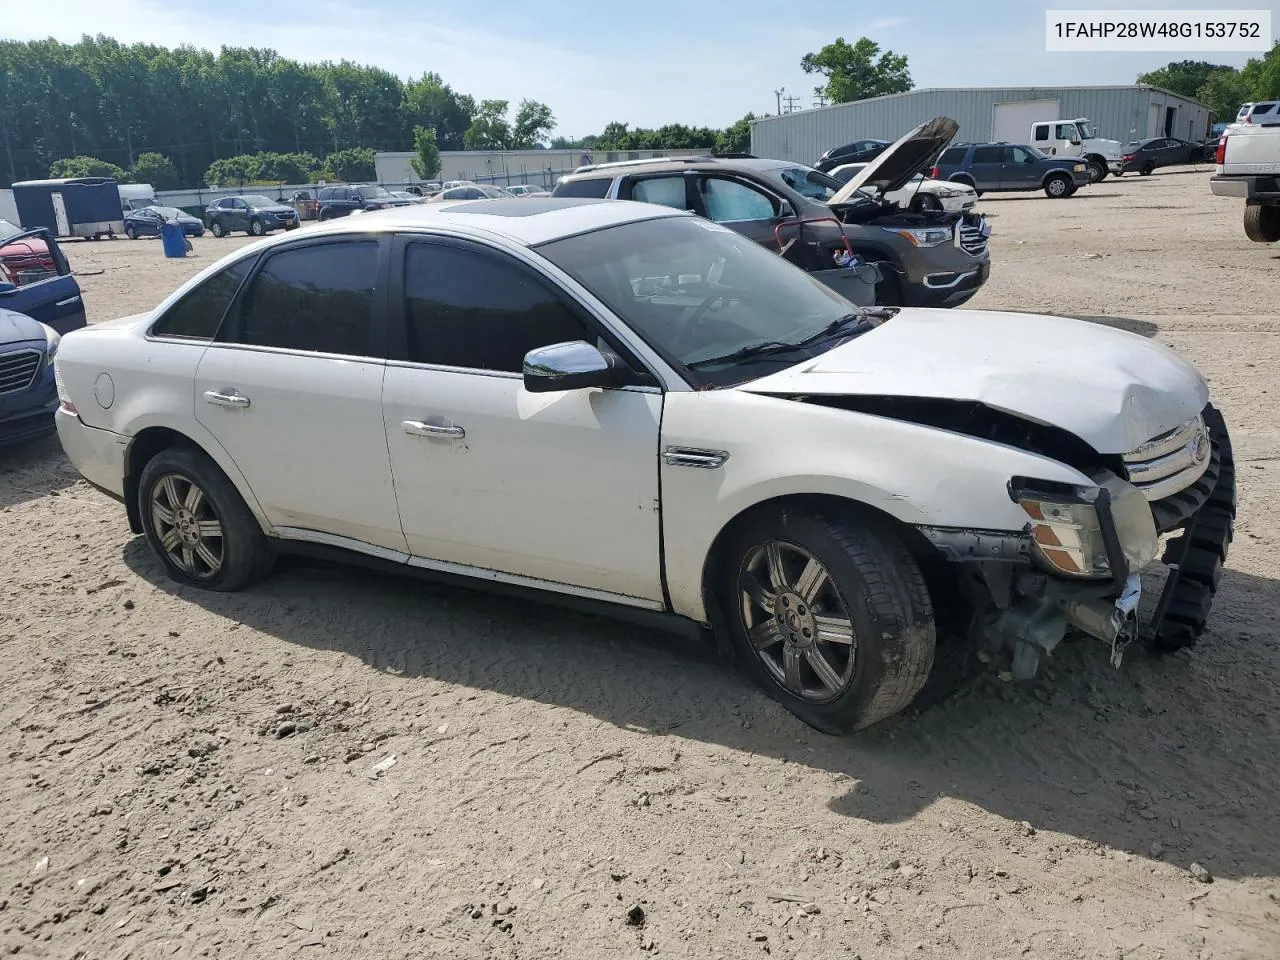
x=778 y=94
x=791 y=102
x=819 y=99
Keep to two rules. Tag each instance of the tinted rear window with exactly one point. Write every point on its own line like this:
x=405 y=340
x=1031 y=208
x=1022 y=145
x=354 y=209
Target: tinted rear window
x=198 y=314
x=954 y=155
x=596 y=189
x=1262 y=108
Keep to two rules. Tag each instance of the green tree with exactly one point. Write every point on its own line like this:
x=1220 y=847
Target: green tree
x=737 y=138
x=229 y=172
x=1184 y=77
x=857 y=72
x=489 y=130
x=1262 y=75
x=1224 y=91
x=532 y=125
x=426 y=162
x=84 y=167
x=155 y=169
x=429 y=102
x=352 y=165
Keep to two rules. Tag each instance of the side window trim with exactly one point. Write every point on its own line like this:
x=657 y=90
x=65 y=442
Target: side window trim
x=397 y=312
x=231 y=329
x=253 y=260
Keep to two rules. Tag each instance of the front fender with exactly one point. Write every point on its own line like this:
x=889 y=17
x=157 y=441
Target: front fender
x=780 y=447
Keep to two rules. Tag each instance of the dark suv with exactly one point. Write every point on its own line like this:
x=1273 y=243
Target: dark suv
x=860 y=151
x=999 y=167
x=340 y=201
x=932 y=259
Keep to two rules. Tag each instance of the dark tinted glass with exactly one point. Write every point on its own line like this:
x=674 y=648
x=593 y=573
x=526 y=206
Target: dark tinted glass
x=317 y=298
x=198 y=314
x=954 y=155
x=986 y=155
x=467 y=308
x=584 y=188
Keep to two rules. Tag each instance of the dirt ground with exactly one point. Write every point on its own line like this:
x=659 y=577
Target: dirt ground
x=189 y=774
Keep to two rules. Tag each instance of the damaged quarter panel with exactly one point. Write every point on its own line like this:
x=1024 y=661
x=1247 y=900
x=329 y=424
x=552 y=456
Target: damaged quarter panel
x=1112 y=389
x=778 y=447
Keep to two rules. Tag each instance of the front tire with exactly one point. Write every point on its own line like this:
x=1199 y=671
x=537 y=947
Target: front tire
x=1057 y=187
x=197 y=525
x=829 y=612
x=256 y=228
x=130 y=232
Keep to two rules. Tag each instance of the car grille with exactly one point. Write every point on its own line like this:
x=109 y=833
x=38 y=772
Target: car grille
x=1171 y=462
x=971 y=239
x=18 y=370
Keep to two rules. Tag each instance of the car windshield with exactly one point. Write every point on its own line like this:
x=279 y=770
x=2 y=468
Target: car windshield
x=1087 y=130
x=494 y=192
x=372 y=193
x=806 y=181
x=168 y=212
x=704 y=297
x=257 y=200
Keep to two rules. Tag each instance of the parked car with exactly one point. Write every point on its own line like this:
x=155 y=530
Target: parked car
x=254 y=214
x=342 y=200
x=1248 y=167
x=39 y=279
x=527 y=190
x=1145 y=156
x=934 y=259
x=148 y=221
x=406 y=195
x=860 y=151
x=629 y=408
x=33 y=316
x=920 y=194
x=1263 y=111
x=474 y=191
x=1000 y=167
x=308 y=207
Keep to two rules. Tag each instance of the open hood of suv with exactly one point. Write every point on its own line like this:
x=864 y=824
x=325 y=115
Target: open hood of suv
x=1114 y=390
x=916 y=151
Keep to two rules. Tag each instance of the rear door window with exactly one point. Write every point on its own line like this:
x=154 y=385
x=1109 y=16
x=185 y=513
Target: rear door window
x=952 y=156
x=596 y=188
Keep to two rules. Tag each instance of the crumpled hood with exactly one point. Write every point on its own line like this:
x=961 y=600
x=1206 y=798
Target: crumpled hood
x=1114 y=390
x=16 y=327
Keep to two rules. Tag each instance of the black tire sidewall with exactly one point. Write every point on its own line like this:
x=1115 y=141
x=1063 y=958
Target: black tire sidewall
x=845 y=712
x=256 y=229
x=245 y=551
x=1066 y=187
x=216 y=229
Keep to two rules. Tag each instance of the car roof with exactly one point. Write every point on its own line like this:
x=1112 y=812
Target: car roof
x=660 y=164
x=526 y=222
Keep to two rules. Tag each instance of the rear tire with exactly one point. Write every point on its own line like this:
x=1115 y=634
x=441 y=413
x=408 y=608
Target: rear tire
x=829 y=612
x=1146 y=170
x=1058 y=186
x=1097 y=171
x=217 y=229
x=197 y=525
x=1262 y=223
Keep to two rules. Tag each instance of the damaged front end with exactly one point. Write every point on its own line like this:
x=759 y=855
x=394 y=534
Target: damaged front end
x=1078 y=562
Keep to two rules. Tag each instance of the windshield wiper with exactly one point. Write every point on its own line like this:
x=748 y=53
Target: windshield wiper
x=767 y=348
x=832 y=328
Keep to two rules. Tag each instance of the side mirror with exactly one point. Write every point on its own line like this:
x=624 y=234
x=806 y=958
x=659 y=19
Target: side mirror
x=571 y=366
x=7 y=288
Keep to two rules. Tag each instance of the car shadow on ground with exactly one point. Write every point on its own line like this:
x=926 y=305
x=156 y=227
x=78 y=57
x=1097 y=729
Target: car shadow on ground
x=34 y=469
x=1143 y=328
x=1178 y=750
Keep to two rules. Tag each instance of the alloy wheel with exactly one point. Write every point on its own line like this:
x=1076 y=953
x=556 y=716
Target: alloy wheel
x=797 y=623
x=187 y=527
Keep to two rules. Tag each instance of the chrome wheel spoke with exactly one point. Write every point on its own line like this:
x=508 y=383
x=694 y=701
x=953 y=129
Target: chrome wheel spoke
x=207 y=557
x=170 y=486
x=773 y=566
x=765 y=634
x=822 y=668
x=188 y=559
x=195 y=497
x=170 y=540
x=791 y=657
x=210 y=528
x=160 y=514
x=759 y=595
x=834 y=629
x=812 y=579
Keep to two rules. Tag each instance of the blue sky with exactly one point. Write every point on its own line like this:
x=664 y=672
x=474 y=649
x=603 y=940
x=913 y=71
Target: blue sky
x=644 y=62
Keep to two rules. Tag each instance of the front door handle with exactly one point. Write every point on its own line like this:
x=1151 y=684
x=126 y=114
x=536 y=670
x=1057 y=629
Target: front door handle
x=417 y=428
x=231 y=398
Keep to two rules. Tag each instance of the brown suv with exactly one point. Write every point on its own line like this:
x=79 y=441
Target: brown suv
x=927 y=259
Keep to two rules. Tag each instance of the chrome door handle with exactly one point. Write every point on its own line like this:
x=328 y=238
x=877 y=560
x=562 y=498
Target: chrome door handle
x=417 y=428
x=232 y=399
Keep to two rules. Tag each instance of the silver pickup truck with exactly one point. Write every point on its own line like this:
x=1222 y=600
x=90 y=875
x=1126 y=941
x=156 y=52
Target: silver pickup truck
x=1248 y=160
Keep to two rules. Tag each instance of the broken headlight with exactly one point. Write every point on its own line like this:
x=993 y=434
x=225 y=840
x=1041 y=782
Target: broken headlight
x=1097 y=531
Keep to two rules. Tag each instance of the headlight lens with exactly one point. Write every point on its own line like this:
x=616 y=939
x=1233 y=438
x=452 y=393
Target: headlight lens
x=1078 y=168
x=1067 y=528
x=922 y=236
x=51 y=339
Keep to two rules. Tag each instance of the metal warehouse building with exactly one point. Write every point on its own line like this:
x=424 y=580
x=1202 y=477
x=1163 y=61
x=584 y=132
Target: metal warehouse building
x=984 y=113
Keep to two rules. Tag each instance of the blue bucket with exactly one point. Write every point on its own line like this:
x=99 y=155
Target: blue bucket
x=173 y=239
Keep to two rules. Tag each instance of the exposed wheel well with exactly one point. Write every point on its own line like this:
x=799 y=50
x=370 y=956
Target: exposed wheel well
x=144 y=446
x=938 y=572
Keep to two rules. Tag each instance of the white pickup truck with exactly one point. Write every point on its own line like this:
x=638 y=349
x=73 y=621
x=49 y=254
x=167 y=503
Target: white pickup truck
x=1078 y=138
x=1248 y=162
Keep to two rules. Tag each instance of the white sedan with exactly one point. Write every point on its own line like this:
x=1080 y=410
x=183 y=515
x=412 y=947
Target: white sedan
x=921 y=193
x=628 y=407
